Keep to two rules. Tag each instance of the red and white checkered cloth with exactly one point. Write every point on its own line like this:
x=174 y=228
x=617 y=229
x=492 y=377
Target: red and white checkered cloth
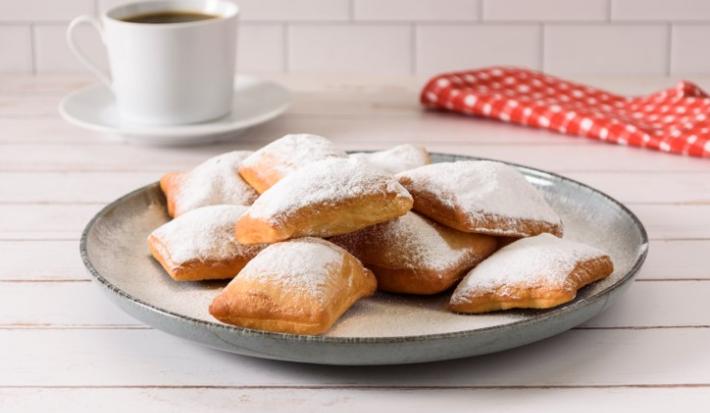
x=676 y=120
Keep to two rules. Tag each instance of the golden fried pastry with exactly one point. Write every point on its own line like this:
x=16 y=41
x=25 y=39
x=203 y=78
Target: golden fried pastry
x=200 y=244
x=415 y=255
x=269 y=164
x=300 y=286
x=213 y=182
x=538 y=272
x=397 y=159
x=324 y=198
x=480 y=196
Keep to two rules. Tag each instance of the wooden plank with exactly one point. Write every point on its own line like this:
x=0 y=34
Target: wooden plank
x=60 y=187
x=37 y=221
x=83 y=304
x=415 y=127
x=674 y=221
x=264 y=400
x=51 y=130
x=41 y=260
x=47 y=84
x=561 y=158
x=80 y=357
x=58 y=304
x=70 y=187
x=67 y=220
x=596 y=157
x=677 y=259
x=641 y=187
x=639 y=306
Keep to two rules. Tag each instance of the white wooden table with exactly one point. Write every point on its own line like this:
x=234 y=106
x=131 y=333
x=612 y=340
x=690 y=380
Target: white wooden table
x=64 y=347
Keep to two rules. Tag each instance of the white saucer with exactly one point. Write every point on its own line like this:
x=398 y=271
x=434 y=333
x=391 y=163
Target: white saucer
x=255 y=101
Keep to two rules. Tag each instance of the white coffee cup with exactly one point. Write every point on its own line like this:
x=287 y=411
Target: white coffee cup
x=167 y=73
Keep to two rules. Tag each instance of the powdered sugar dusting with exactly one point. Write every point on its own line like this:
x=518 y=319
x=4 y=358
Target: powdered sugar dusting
x=414 y=242
x=483 y=187
x=294 y=151
x=542 y=260
x=327 y=181
x=205 y=233
x=303 y=265
x=397 y=159
x=215 y=181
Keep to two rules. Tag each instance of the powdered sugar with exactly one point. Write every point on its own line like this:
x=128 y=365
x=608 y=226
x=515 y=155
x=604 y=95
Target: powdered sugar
x=414 y=242
x=483 y=187
x=215 y=181
x=303 y=265
x=294 y=151
x=397 y=159
x=205 y=233
x=327 y=181
x=542 y=260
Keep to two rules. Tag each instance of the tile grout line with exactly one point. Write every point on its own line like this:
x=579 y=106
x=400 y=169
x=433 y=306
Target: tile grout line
x=608 y=11
x=33 y=49
x=669 y=48
x=413 y=49
x=286 y=45
x=541 y=57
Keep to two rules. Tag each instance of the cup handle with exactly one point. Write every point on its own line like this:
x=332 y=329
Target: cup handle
x=103 y=77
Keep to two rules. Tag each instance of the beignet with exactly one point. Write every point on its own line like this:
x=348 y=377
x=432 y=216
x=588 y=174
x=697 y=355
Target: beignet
x=213 y=182
x=537 y=272
x=415 y=255
x=200 y=244
x=397 y=159
x=279 y=158
x=324 y=198
x=300 y=286
x=480 y=196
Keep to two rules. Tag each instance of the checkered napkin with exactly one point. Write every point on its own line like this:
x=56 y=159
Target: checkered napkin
x=676 y=120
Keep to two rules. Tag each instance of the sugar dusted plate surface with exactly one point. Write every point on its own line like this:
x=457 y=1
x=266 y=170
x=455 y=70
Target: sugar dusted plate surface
x=385 y=329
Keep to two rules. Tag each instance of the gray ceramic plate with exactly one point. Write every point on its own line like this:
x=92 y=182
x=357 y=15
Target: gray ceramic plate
x=384 y=329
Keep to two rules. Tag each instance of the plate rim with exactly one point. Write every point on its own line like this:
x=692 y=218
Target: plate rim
x=149 y=133
x=575 y=305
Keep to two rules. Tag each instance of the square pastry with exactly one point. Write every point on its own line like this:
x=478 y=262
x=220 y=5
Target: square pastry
x=300 y=286
x=324 y=198
x=200 y=244
x=537 y=272
x=414 y=255
x=274 y=161
x=213 y=182
x=480 y=196
x=397 y=159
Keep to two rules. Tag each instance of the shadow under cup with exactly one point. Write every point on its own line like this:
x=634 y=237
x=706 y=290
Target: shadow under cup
x=171 y=73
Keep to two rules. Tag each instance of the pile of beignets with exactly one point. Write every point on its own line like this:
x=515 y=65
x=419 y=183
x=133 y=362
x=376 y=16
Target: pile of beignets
x=304 y=230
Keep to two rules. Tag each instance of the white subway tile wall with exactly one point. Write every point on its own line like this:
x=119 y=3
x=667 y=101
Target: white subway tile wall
x=408 y=36
x=606 y=49
x=16 y=49
x=368 y=48
x=53 y=55
x=416 y=11
x=441 y=48
x=546 y=10
x=260 y=48
x=689 y=49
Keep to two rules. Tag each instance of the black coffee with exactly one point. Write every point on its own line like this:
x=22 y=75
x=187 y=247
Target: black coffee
x=168 y=17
